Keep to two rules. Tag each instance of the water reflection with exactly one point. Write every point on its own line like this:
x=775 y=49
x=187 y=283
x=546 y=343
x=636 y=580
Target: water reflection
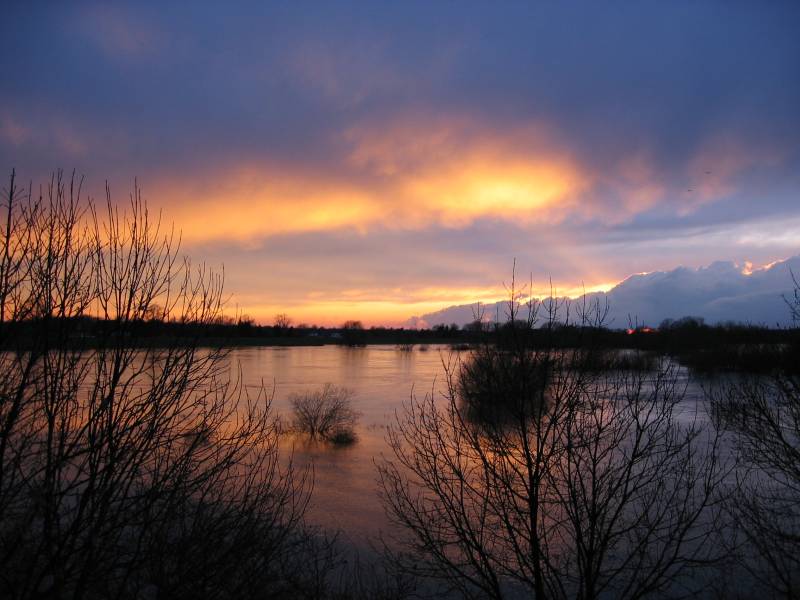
x=382 y=379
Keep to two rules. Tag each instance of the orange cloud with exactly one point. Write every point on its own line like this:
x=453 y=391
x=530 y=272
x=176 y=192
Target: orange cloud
x=638 y=182
x=418 y=171
x=251 y=202
x=407 y=176
x=454 y=171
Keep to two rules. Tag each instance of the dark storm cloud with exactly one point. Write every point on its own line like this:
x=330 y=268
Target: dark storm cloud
x=204 y=84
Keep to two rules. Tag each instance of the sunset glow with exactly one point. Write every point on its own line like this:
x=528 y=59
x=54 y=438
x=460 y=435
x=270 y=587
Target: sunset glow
x=396 y=163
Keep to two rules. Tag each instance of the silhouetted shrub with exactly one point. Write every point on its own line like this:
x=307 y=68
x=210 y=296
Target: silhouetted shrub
x=601 y=360
x=761 y=411
x=326 y=414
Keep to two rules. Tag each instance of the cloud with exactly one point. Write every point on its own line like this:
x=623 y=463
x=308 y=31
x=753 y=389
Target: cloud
x=399 y=175
x=12 y=131
x=346 y=73
x=52 y=133
x=720 y=292
x=120 y=33
x=452 y=170
x=715 y=170
x=366 y=157
x=424 y=170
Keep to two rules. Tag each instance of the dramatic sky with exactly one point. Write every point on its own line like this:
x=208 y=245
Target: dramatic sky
x=376 y=160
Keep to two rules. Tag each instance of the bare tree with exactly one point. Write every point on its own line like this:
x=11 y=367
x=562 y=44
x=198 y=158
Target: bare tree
x=538 y=475
x=793 y=301
x=762 y=413
x=127 y=469
x=282 y=321
x=353 y=333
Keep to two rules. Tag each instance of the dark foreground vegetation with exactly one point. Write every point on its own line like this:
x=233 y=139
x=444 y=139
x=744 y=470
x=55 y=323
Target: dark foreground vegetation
x=548 y=474
x=134 y=465
x=567 y=472
x=130 y=469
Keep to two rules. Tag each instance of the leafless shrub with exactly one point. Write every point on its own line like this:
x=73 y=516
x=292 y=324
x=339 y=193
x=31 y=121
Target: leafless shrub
x=326 y=414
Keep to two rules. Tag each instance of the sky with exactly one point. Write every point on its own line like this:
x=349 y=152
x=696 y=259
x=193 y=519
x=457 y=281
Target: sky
x=373 y=161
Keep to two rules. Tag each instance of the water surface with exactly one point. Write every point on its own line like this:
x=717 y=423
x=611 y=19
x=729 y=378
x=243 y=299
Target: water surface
x=382 y=380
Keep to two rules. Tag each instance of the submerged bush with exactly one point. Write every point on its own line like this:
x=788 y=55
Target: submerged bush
x=604 y=360
x=326 y=414
x=495 y=384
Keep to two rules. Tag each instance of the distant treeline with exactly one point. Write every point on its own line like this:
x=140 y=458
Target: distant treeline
x=85 y=331
x=725 y=347
x=702 y=347
x=705 y=348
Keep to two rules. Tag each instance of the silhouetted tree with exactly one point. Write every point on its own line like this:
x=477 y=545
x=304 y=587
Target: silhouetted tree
x=793 y=301
x=353 y=333
x=127 y=471
x=282 y=322
x=763 y=414
x=570 y=483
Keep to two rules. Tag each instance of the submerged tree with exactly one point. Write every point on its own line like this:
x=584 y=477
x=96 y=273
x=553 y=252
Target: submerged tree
x=127 y=470
x=566 y=482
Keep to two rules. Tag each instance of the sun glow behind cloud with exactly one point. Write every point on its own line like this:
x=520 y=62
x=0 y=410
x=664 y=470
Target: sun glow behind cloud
x=408 y=177
x=420 y=172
